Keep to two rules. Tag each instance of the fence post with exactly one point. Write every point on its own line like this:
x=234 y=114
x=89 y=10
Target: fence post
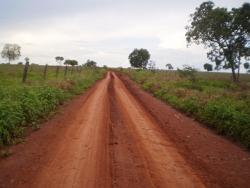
x=65 y=71
x=45 y=71
x=57 y=71
x=25 y=70
x=80 y=69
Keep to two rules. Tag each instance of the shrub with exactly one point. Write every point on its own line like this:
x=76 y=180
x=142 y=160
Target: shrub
x=24 y=105
x=190 y=105
x=222 y=105
x=11 y=121
x=227 y=119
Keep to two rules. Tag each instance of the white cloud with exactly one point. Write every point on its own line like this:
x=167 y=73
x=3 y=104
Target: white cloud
x=105 y=31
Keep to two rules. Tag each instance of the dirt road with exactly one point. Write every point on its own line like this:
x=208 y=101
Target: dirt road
x=107 y=138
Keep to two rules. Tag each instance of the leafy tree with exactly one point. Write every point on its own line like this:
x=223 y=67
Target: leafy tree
x=70 y=62
x=188 y=72
x=208 y=67
x=226 y=33
x=11 y=52
x=247 y=67
x=139 y=58
x=59 y=59
x=169 y=66
x=90 y=64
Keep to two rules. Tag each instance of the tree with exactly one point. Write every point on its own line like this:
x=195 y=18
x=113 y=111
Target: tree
x=188 y=72
x=208 y=67
x=247 y=67
x=226 y=33
x=59 y=59
x=70 y=62
x=11 y=52
x=151 y=65
x=169 y=66
x=90 y=64
x=139 y=58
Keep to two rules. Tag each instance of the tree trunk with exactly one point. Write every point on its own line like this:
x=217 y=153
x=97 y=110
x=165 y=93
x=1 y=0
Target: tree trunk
x=234 y=75
x=57 y=71
x=65 y=71
x=238 y=75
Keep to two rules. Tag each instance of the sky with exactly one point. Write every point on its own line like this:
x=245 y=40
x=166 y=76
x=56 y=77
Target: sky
x=105 y=31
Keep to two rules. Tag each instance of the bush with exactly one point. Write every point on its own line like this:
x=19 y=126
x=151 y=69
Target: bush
x=25 y=105
x=222 y=105
x=190 y=105
x=11 y=121
x=227 y=119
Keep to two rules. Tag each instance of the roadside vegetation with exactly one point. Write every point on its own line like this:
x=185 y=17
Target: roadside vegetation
x=25 y=104
x=220 y=100
x=210 y=98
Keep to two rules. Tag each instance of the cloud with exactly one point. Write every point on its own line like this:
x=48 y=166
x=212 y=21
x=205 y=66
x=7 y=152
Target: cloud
x=103 y=30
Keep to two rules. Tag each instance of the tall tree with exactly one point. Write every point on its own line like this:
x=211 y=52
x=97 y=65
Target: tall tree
x=208 y=67
x=169 y=66
x=71 y=62
x=225 y=32
x=11 y=52
x=139 y=58
x=59 y=59
x=90 y=64
x=247 y=67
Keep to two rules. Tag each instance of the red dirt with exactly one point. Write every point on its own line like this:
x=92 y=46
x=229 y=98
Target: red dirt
x=116 y=135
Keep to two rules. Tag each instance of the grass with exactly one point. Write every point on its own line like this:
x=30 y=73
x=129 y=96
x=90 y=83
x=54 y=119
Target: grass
x=212 y=99
x=25 y=104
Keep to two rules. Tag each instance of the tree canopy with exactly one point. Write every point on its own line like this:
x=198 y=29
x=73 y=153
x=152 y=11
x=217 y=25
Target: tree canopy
x=70 y=62
x=169 y=66
x=187 y=72
x=139 y=58
x=59 y=59
x=225 y=32
x=11 y=52
x=90 y=64
x=208 y=67
x=247 y=67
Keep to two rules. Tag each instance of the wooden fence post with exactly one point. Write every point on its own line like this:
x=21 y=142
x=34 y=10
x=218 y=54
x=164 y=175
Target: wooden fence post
x=57 y=71
x=65 y=71
x=25 y=70
x=45 y=71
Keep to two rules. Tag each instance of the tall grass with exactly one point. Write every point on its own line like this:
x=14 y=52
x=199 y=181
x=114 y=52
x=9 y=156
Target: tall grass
x=24 y=105
x=212 y=99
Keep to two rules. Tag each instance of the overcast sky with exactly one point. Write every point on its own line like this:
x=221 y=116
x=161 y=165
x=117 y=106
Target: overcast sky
x=102 y=30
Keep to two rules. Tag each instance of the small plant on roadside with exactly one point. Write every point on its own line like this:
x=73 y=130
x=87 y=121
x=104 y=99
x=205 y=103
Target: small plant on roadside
x=188 y=72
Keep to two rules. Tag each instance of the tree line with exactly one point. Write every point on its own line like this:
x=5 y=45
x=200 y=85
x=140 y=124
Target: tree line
x=226 y=33
x=12 y=52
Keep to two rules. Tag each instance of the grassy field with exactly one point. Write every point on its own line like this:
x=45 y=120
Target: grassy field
x=25 y=104
x=211 y=98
